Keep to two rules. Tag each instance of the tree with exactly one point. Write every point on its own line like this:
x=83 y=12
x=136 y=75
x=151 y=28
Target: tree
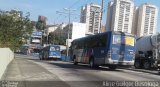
x=14 y=28
x=40 y=25
x=56 y=39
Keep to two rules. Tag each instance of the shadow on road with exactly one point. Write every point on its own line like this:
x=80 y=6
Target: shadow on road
x=70 y=65
x=152 y=71
x=79 y=66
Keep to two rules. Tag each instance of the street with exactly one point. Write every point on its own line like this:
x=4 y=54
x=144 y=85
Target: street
x=29 y=71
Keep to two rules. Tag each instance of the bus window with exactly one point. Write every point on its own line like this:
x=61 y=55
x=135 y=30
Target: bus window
x=52 y=48
x=80 y=45
x=116 y=39
x=57 y=49
x=103 y=41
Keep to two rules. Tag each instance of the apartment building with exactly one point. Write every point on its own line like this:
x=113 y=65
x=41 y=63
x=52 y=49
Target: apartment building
x=135 y=20
x=91 y=15
x=120 y=16
x=147 y=20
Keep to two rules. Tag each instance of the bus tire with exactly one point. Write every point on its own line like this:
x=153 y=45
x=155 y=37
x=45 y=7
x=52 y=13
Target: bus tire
x=92 y=63
x=46 y=56
x=42 y=58
x=74 y=61
x=112 y=67
x=146 y=65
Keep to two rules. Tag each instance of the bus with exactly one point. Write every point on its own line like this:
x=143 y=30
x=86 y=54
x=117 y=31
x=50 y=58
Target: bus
x=105 y=49
x=50 y=52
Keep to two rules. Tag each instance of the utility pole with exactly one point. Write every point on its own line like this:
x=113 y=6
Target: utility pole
x=69 y=15
x=69 y=11
x=47 y=35
x=102 y=7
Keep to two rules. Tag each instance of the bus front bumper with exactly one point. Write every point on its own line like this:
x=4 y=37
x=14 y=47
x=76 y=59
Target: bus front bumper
x=129 y=63
x=58 y=57
x=117 y=62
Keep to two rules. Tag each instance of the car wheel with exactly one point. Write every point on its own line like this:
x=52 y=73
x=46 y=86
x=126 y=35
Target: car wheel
x=137 y=64
x=146 y=65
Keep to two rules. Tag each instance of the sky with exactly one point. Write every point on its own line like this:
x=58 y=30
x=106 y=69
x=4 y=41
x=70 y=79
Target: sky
x=52 y=8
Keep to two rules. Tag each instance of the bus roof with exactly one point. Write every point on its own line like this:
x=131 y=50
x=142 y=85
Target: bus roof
x=113 y=32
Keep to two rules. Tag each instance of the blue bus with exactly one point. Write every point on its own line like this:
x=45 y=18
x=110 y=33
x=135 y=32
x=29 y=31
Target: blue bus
x=105 y=49
x=50 y=52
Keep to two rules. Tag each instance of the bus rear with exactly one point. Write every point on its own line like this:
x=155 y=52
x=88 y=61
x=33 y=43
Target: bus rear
x=54 y=52
x=122 y=49
x=50 y=52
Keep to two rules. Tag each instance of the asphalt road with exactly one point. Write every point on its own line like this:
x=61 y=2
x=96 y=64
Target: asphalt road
x=29 y=71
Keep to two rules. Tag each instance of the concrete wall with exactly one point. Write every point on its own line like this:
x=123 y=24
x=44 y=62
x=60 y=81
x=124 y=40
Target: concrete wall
x=6 y=56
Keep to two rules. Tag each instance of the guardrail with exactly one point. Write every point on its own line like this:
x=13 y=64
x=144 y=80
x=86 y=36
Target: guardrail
x=6 y=56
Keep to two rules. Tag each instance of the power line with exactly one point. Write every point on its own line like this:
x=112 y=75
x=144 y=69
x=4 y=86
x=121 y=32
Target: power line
x=59 y=15
x=86 y=1
x=74 y=3
x=79 y=8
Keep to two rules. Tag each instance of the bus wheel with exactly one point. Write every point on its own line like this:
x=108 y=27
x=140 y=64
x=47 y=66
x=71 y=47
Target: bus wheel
x=92 y=64
x=112 y=67
x=74 y=61
x=146 y=65
x=41 y=58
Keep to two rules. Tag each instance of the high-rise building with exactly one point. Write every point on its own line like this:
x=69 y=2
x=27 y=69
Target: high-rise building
x=103 y=29
x=147 y=20
x=42 y=18
x=120 y=15
x=91 y=15
x=42 y=23
x=135 y=20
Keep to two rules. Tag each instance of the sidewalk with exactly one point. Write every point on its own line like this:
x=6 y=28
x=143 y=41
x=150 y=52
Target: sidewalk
x=24 y=73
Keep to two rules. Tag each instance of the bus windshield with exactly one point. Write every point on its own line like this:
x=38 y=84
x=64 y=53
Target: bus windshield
x=54 y=49
x=125 y=40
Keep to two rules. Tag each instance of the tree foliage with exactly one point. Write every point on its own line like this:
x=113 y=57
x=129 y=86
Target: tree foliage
x=41 y=25
x=56 y=39
x=14 y=29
